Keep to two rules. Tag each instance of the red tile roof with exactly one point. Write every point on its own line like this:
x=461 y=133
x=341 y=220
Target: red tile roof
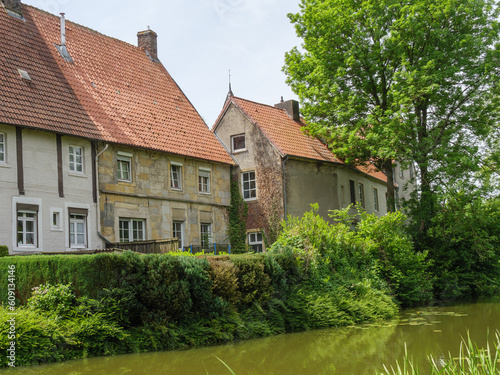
x=111 y=92
x=288 y=136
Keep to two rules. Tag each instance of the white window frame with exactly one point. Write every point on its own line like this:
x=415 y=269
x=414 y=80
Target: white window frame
x=74 y=221
x=235 y=150
x=208 y=231
x=131 y=230
x=3 y=148
x=253 y=240
x=178 y=232
x=24 y=219
x=376 y=205
x=248 y=189
x=204 y=177
x=179 y=175
x=124 y=159
x=73 y=164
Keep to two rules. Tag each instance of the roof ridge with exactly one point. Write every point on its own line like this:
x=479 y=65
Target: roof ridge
x=80 y=25
x=263 y=104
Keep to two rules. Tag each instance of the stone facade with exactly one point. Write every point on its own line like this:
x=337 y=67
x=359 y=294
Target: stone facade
x=149 y=195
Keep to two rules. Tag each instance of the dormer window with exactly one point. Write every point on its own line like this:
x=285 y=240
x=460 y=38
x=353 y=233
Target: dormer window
x=238 y=143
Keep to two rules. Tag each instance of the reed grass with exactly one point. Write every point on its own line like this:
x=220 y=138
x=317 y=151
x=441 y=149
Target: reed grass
x=472 y=360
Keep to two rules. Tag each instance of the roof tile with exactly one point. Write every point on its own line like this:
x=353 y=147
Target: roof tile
x=111 y=92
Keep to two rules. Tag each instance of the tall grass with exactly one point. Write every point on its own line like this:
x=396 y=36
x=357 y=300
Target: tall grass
x=472 y=360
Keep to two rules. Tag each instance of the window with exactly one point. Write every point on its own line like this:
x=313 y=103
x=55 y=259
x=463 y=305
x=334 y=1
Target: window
x=205 y=235
x=176 y=176
x=238 y=143
x=77 y=230
x=26 y=228
x=124 y=161
x=55 y=219
x=204 y=181
x=75 y=159
x=353 y=191
x=401 y=173
x=411 y=171
x=255 y=242
x=2 y=148
x=361 y=195
x=177 y=229
x=375 y=200
x=249 y=185
x=132 y=229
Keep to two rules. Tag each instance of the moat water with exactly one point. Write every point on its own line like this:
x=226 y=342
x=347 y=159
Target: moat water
x=364 y=349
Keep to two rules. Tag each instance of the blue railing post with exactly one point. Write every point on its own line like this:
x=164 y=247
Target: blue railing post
x=229 y=249
x=215 y=248
x=191 y=247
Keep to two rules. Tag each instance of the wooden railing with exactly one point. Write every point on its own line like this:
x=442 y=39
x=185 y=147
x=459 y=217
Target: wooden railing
x=148 y=247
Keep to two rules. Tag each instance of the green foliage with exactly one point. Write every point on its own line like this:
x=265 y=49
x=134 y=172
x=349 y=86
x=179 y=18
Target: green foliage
x=237 y=215
x=57 y=299
x=4 y=251
x=464 y=242
x=411 y=81
x=378 y=250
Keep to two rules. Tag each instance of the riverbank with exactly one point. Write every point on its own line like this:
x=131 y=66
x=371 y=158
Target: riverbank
x=124 y=303
x=355 y=350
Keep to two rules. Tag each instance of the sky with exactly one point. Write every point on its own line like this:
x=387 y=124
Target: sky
x=200 y=41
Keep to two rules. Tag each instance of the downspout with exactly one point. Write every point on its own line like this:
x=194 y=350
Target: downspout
x=98 y=216
x=285 y=159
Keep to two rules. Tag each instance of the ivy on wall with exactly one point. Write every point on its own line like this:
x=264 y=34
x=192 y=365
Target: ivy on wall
x=237 y=217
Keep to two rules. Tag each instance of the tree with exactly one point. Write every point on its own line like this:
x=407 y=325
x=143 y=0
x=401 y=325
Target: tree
x=408 y=80
x=237 y=219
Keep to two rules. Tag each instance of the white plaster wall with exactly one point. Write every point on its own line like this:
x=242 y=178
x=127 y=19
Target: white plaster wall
x=41 y=187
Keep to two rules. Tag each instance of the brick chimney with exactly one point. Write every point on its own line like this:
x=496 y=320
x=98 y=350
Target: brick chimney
x=147 y=40
x=12 y=5
x=291 y=107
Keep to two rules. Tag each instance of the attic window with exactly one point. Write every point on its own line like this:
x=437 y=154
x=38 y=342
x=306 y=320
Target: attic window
x=24 y=74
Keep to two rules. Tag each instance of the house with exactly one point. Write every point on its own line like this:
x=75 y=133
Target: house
x=282 y=171
x=98 y=143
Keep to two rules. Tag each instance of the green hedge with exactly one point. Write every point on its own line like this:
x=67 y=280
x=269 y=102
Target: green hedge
x=129 y=302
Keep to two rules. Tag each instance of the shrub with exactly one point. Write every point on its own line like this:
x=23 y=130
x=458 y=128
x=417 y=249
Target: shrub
x=4 y=251
x=54 y=299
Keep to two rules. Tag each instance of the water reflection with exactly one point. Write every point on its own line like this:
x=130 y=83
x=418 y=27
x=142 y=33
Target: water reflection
x=353 y=350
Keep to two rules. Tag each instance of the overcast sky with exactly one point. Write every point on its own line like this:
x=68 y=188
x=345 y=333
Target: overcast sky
x=199 y=41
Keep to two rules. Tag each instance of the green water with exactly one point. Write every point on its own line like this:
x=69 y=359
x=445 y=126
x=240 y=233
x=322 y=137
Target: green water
x=353 y=350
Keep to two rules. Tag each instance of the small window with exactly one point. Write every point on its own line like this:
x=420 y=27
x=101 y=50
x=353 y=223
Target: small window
x=3 y=159
x=361 y=194
x=132 y=229
x=176 y=176
x=401 y=173
x=77 y=230
x=255 y=242
x=205 y=235
x=411 y=171
x=27 y=228
x=375 y=200
x=249 y=185
x=177 y=229
x=238 y=143
x=76 y=159
x=55 y=219
x=204 y=181
x=124 y=167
